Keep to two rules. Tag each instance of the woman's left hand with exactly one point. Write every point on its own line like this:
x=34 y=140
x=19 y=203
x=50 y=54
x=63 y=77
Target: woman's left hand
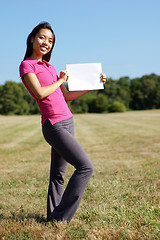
x=103 y=77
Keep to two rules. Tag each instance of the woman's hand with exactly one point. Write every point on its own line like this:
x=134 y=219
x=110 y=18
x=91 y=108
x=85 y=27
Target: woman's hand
x=103 y=77
x=64 y=75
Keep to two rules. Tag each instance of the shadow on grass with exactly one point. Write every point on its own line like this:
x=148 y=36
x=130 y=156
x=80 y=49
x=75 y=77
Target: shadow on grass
x=22 y=216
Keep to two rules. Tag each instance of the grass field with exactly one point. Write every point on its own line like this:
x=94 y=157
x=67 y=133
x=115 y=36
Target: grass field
x=122 y=198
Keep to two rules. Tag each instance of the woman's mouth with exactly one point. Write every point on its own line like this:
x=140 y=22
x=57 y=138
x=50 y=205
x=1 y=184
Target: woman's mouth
x=43 y=48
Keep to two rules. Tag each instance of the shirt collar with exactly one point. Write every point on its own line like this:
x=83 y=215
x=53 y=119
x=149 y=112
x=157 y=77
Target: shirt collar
x=46 y=62
x=37 y=61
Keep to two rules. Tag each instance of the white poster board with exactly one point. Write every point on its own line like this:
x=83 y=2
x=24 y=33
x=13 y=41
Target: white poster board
x=85 y=76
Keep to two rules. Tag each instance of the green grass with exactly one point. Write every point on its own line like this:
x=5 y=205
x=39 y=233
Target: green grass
x=122 y=198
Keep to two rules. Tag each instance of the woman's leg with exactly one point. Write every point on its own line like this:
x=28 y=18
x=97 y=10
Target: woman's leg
x=56 y=183
x=60 y=137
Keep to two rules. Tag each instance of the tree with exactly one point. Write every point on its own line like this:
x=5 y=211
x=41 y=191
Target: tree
x=101 y=103
x=143 y=91
x=118 y=91
x=136 y=94
x=33 y=106
x=118 y=95
x=124 y=91
x=12 y=101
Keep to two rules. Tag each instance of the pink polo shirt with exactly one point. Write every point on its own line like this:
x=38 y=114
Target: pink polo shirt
x=54 y=106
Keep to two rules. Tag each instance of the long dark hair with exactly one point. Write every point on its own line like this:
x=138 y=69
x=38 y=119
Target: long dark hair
x=29 y=50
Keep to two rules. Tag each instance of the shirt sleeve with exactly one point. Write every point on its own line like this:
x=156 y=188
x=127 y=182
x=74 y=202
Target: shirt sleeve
x=25 y=67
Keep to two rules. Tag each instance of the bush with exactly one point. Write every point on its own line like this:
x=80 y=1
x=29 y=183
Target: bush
x=78 y=106
x=117 y=107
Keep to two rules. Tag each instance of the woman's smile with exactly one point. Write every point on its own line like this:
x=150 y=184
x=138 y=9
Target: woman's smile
x=43 y=48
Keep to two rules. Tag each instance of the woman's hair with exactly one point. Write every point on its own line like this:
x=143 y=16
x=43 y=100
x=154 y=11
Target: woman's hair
x=29 y=50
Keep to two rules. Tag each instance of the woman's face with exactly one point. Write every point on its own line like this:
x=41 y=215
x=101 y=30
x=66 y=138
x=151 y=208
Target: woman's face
x=42 y=42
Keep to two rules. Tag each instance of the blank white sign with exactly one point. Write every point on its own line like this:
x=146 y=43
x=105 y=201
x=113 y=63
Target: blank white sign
x=85 y=76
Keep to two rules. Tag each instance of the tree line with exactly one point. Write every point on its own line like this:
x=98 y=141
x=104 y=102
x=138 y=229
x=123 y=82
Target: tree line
x=118 y=96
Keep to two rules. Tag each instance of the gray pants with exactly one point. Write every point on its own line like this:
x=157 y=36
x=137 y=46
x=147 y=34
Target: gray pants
x=65 y=149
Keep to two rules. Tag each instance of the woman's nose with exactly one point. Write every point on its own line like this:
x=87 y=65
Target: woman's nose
x=45 y=42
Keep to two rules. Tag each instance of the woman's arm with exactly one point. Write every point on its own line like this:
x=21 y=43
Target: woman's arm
x=69 y=96
x=42 y=92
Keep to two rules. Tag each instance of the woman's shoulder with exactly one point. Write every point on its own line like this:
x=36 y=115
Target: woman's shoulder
x=26 y=66
x=28 y=61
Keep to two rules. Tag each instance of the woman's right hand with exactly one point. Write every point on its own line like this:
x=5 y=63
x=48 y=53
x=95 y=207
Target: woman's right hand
x=64 y=75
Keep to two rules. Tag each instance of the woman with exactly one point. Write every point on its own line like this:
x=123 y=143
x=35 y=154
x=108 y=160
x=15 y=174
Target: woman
x=43 y=83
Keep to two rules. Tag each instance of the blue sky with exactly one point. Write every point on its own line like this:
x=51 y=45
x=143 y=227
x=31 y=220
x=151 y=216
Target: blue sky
x=124 y=35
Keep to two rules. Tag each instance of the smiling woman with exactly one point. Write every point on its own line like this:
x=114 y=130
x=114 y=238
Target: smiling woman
x=43 y=83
